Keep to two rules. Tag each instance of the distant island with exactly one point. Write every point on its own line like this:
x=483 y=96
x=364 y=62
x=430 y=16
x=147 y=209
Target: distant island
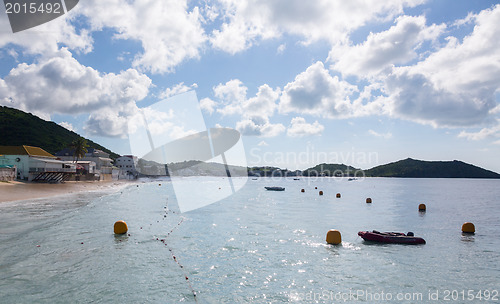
x=430 y=169
x=20 y=128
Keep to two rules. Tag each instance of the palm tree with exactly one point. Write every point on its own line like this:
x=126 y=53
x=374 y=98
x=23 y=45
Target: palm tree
x=79 y=147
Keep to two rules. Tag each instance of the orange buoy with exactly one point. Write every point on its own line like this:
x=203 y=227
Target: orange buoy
x=368 y=200
x=422 y=207
x=321 y=193
x=120 y=227
x=468 y=228
x=338 y=195
x=302 y=190
x=315 y=187
x=333 y=237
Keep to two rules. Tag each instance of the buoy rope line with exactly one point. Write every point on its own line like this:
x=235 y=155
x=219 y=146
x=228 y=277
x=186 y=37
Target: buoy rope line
x=174 y=257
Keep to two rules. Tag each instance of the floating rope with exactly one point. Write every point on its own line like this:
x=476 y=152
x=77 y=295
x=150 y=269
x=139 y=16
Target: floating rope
x=172 y=253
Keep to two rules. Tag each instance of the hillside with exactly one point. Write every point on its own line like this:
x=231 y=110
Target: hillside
x=20 y=128
x=430 y=169
x=339 y=170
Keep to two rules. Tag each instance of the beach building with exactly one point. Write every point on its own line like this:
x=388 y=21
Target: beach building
x=7 y=173
x=127 y=164
x=36 y=164
x=103 y=164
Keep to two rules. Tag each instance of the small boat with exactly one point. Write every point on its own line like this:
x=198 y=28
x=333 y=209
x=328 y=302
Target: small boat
x=352 y=179
x=391 y=237
x=296 y=179
x=275 y=188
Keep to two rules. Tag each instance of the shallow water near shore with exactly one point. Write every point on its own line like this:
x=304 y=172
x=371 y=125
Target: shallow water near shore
x=256 y=246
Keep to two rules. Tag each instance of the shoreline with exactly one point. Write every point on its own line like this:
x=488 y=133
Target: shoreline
x=19 y=191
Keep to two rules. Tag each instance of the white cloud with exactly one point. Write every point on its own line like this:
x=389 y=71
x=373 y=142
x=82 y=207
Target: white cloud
x=255 y=111
x=46 y=39
x=62 y=85
x=381 y=135
x=281 y=48
x=382 y=50
x=232 y=95
x=247 y=22
x=249 y=127
x=169 y=32
x=484 y=133
x=177 y=89
x=456 y=85
x=67 y=125
x=299 y=127
x=208 y=105
x=316 y=92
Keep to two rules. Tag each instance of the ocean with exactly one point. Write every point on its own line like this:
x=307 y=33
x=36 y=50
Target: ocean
x=255 y=246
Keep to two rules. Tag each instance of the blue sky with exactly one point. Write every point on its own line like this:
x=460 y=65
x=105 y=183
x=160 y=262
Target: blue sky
x=363 y=83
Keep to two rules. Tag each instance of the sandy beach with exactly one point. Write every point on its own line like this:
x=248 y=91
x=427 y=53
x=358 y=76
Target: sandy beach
x=14 y=190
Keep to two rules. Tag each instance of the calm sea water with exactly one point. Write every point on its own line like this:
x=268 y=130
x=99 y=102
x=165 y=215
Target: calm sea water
x=256 y=246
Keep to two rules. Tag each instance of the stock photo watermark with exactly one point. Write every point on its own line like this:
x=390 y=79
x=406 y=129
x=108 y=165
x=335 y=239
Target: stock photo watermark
x=365 y=295
x=26 y=14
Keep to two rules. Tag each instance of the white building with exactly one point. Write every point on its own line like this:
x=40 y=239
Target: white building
x=35 y=164
x=127 y=165
x=100 y=158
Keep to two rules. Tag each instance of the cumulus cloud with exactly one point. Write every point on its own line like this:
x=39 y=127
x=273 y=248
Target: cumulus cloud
x=299 y=127
x=454 y=86
x=46 y=39
x=249 y=127
x=67 y=125
x=208 y=105
x=255 y=111
x=62 y=85
x=177 y=89
x=316 y=92
x=247 y=22
x=382 y=50
x=169 y=32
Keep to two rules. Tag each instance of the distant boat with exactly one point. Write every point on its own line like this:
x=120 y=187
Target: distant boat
x=296 y=179
x=351 y=179
x=275 y=188
x=254 y=178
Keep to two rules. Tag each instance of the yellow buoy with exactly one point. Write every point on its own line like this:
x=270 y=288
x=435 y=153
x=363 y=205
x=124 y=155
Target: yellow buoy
x=321 y=193
x=333 y=237
x=468 y=228
x=422 y=207
x=338 y=195
x=368 y=200
x=120 y=227
x=302 y=190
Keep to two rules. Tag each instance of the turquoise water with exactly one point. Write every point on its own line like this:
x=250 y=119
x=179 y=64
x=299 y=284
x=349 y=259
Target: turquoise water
x=257 y=246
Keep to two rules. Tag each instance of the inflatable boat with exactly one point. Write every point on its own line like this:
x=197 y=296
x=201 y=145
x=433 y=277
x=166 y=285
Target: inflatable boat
x=275 y=188
x=391 y=237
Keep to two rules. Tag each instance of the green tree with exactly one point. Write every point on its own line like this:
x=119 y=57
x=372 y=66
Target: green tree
x=79 y=147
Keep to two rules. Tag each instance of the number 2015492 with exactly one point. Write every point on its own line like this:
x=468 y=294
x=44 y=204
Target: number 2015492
x=33 y=8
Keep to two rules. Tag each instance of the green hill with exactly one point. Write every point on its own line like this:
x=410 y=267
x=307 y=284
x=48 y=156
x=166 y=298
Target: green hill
x=430 y=169
x=19 y=128
x=339 y=170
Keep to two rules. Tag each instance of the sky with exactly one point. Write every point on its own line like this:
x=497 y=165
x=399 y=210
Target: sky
x=305 y=82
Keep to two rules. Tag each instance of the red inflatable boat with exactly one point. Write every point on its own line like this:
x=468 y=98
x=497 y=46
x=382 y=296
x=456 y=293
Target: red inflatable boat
x=391 y=237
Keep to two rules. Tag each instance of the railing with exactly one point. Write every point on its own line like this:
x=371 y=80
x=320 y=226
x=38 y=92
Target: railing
x=32 y=170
